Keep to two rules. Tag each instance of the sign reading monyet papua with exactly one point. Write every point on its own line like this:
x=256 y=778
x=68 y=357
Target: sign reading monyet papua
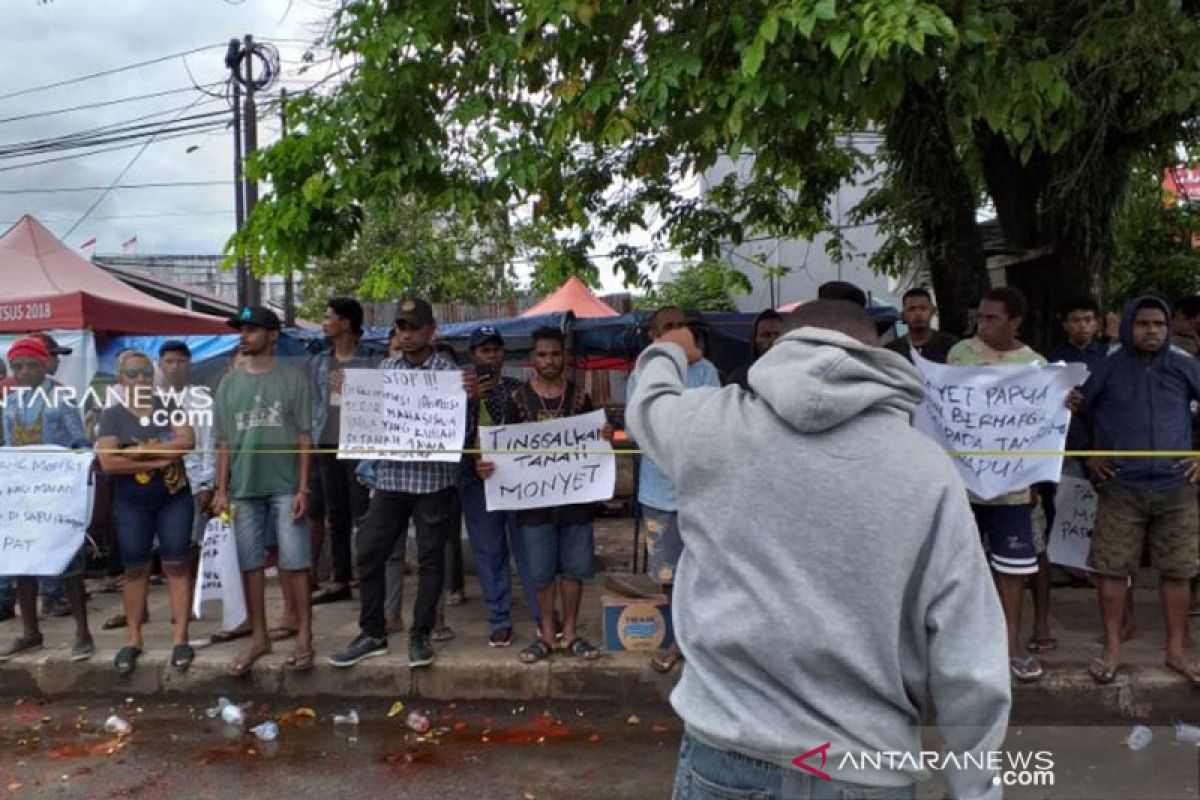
x=543 y=464
x=45 y=508
x=997 y=419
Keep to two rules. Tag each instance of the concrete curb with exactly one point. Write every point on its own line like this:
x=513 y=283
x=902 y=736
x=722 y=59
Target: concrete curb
x=1065 y=695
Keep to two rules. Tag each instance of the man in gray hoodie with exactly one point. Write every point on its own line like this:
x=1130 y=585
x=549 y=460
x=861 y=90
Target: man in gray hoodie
x=832 y=591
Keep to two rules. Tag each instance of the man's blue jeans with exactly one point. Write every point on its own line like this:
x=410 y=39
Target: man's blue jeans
x=490 y=533
x=705 y=773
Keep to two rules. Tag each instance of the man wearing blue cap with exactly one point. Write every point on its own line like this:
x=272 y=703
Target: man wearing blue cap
x=491 y=532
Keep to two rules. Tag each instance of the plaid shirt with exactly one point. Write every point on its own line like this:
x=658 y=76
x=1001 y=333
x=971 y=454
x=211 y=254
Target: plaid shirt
x=416 y=477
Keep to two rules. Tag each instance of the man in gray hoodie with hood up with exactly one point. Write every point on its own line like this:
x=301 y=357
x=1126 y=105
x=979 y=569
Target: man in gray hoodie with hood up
x=832 y=591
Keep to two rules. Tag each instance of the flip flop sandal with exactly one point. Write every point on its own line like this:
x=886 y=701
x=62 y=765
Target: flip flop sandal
x=182 y=656
x=1044 y=645
x=1191 y=672
x=663 y=663
x=126 y=659
x=240 y=668
x=221 y=637
x=281 y=634
x=299 y=662
x=1102 y=672
x=583 y=648
x=1025 y=669
x=538 y=651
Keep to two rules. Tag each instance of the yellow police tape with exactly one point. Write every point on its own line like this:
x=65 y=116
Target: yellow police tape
x=621 y=452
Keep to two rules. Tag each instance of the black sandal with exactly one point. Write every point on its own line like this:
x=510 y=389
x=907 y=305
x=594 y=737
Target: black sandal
x=182 y=656
x=126 y=659
x=538 y=651
x=583 y=648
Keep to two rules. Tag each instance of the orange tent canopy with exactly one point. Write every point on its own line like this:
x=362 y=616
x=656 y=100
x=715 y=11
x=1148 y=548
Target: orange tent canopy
x=45 y=285
x=576 y=297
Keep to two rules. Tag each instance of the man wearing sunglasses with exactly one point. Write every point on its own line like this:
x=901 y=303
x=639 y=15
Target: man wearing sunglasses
x=34 y=414
x=404 y=490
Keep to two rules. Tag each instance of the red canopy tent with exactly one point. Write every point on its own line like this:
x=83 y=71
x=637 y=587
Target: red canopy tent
x=576 y=297
x=44 y=285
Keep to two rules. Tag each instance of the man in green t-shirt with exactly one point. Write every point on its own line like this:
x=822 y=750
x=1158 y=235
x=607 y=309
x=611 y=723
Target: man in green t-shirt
x=262 y=421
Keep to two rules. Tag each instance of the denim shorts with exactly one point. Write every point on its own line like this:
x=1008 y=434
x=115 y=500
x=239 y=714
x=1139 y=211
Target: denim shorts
x=259 y=522
x=1008 y=531
x=558 y=550
x=146 y=515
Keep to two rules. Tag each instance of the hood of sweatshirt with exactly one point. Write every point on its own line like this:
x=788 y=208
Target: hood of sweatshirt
x=1127 y=323
x=816 y=379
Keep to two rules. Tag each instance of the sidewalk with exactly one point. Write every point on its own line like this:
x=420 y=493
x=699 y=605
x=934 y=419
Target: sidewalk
x=467 y=668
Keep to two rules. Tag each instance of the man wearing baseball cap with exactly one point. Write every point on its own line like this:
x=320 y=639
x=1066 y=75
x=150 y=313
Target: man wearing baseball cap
x=493 y=533
x=35 y=414
x=418 y=490
x=261 y=424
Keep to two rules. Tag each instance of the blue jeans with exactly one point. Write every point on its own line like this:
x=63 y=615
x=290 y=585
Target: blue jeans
x=48 y=588
x=558 y=551
x=704 y=773
x=490 y=532
x=144 y=515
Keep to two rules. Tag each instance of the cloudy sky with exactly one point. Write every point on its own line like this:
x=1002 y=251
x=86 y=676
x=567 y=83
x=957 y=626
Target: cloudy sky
x=66 y=39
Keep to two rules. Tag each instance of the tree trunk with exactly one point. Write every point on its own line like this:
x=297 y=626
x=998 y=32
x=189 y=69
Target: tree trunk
x=928 y=177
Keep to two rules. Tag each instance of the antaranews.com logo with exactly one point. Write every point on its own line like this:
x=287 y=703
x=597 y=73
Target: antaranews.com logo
x=1020 y=768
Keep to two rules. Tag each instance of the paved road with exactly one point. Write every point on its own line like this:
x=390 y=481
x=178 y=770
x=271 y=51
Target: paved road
x=59 y=750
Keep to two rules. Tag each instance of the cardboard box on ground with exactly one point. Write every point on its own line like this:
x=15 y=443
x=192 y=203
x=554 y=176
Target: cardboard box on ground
x=637 y=615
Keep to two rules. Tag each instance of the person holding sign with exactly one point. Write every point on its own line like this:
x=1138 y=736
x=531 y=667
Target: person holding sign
x=1006 y=522
x=812 y=609
x=1138 y=400
x=558 y=541
x=491 y=532
x=34 y=414
x=421 y=491
x=262 y=423
x=152 y=501
x=656 y=494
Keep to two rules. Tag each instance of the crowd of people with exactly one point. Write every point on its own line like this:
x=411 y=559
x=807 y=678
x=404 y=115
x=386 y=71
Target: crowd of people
x=269 y=462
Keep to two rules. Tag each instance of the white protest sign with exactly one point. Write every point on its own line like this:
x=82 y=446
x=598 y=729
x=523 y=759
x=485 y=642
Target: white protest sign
x=219 y=577
x=539 y=475
x=1002 y=411
x=417 y=414
x=45 y=508
x=1070 y=538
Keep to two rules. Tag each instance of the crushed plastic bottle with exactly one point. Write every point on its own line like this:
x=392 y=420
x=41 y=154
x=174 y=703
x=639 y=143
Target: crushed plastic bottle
x=266 y=732
x=233 y=715
x=1187 y=734
x=417 y=722
x=216 y=710
x=1140 y=737
x=118 y=725
x=349 y=718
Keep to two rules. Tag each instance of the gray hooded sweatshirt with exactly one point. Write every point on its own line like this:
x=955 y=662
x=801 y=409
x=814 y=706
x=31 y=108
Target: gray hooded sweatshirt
x=832 y=586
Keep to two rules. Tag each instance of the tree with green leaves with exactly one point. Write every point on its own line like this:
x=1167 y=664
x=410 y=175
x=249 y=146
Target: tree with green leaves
x=709 y=285
x=599 y=113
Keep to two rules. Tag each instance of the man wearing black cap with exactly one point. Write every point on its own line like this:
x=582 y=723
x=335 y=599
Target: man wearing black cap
x=417 y=490
x=262 y=422
x=345 y=498
x=493 y=533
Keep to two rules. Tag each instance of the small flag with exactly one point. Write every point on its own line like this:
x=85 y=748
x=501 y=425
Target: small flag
x=130 y=242
x=89 y=243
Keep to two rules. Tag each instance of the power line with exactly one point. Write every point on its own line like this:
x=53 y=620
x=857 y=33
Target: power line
x=94 y=138
x=102 y=104
x=158 y=215
x=199 y=129
x=103 y=73
x=158 y=185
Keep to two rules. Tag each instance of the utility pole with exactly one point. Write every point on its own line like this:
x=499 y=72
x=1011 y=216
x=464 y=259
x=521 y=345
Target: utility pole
x=289 y=285
x=250 y=140
x=232 y=56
